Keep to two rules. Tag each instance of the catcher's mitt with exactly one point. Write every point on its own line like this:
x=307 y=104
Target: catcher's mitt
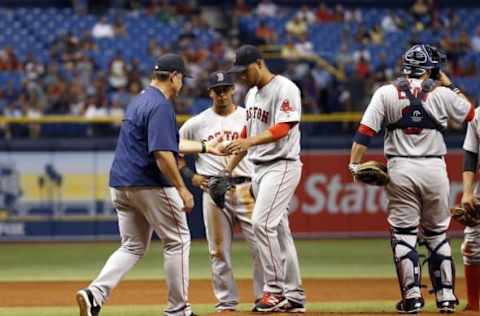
x=466 y=217
x=217 y=188
x=371 y=172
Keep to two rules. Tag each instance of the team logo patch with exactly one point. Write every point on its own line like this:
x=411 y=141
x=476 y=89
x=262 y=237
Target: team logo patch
x=417 y=116
x=286 y=107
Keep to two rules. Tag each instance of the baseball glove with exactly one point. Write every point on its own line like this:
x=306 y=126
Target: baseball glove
x=371 y=172
x=217 y=188
x=466 y=217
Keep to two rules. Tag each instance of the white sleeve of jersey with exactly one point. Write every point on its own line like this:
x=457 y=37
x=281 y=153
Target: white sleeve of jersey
x=288 y=107
x=457 y=107
x=471 y=138
x=375 y=112
x=186 y=131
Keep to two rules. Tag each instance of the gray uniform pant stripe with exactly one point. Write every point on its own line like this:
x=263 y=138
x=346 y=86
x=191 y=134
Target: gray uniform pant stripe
x=141 y=211
x=274 y=186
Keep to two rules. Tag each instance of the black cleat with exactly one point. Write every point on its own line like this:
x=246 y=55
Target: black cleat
x=292 y=307
x=446 y=307
x=87 y=304
x=410 y=305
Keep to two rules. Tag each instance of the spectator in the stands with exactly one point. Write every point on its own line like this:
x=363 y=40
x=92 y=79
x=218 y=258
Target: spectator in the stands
x=241 y=8
x=339 y=13
x=119 y=28
x=383 y=72
x=376 y=35
x=96 y=107
x=8 y=60
x=117 y=72
x=289 y=50
x=297 y=28
x=264 y=34
x=103 y=29
x=390 y=22
x=464 y=43
x=361 y=53
x=420 y=10
x=304 y=47
x=476 y=39
x=354 y=15
x=32 y=68
x=324 y=14
x=362 y=68
x=344 y=58
x=305 y=13
x=266 y=8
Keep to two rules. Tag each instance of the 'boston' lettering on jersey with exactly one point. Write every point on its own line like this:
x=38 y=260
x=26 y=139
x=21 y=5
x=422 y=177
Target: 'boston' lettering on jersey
x=258 y=113
x=227 y=135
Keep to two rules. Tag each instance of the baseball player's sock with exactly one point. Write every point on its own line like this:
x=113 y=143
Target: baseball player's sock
x=472 y=275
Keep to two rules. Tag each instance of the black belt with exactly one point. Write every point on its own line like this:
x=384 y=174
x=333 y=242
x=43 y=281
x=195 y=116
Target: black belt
x=413 y=157
x=240 y=180
x=269 y=162
x=237 y=180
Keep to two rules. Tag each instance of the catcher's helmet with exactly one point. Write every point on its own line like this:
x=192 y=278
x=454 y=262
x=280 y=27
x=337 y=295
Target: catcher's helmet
x=420 y=58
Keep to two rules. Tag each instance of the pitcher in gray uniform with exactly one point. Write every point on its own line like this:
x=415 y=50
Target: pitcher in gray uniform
x=415 y=110
x=471 y=199
x=272 y=139
x=224 y=120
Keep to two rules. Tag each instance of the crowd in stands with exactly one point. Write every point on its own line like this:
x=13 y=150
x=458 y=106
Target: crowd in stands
x=70 y=80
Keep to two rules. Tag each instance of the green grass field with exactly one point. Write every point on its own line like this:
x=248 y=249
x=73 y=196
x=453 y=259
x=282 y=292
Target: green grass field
x=344 y=258
x=82 y=261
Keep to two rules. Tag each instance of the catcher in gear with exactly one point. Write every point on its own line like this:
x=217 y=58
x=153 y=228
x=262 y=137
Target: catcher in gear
x=414 y=111
x=469 y=214
x=370 y=172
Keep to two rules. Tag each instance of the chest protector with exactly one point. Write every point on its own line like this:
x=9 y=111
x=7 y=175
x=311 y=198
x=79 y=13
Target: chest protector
x=414 y=116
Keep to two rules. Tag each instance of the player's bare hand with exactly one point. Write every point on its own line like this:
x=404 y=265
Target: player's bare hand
x=187 y=199
x=238 y=146
x=469 y=201
x=200 y=182
x=443 y=78
x=216 y=147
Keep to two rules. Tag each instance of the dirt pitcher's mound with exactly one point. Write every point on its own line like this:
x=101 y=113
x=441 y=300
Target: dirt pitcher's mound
x=154 y=292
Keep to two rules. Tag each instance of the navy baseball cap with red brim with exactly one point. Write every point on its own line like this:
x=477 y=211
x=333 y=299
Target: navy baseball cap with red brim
x=245 y=55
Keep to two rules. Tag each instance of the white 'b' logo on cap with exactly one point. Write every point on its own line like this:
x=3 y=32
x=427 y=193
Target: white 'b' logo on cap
x=220 y=77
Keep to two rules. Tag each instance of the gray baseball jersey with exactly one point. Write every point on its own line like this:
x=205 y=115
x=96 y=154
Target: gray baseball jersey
x=208 y=125
x=277 y=102
x=471 y=243
x=219 y=223
x=386 y=107
x=277 y=172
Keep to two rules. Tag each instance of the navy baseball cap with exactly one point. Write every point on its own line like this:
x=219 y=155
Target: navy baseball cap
x=245 y=55
x=170 y=63
x=219 y=79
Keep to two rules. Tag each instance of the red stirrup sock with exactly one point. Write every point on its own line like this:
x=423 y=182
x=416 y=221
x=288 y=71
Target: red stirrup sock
x=472 y=280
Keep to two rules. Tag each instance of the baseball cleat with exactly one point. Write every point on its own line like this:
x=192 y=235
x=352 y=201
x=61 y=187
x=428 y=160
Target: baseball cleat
x=446 y=307
x=292 y=307
x=410 y=305
x=254 y=309
x=87 y=304
x=271 y=302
